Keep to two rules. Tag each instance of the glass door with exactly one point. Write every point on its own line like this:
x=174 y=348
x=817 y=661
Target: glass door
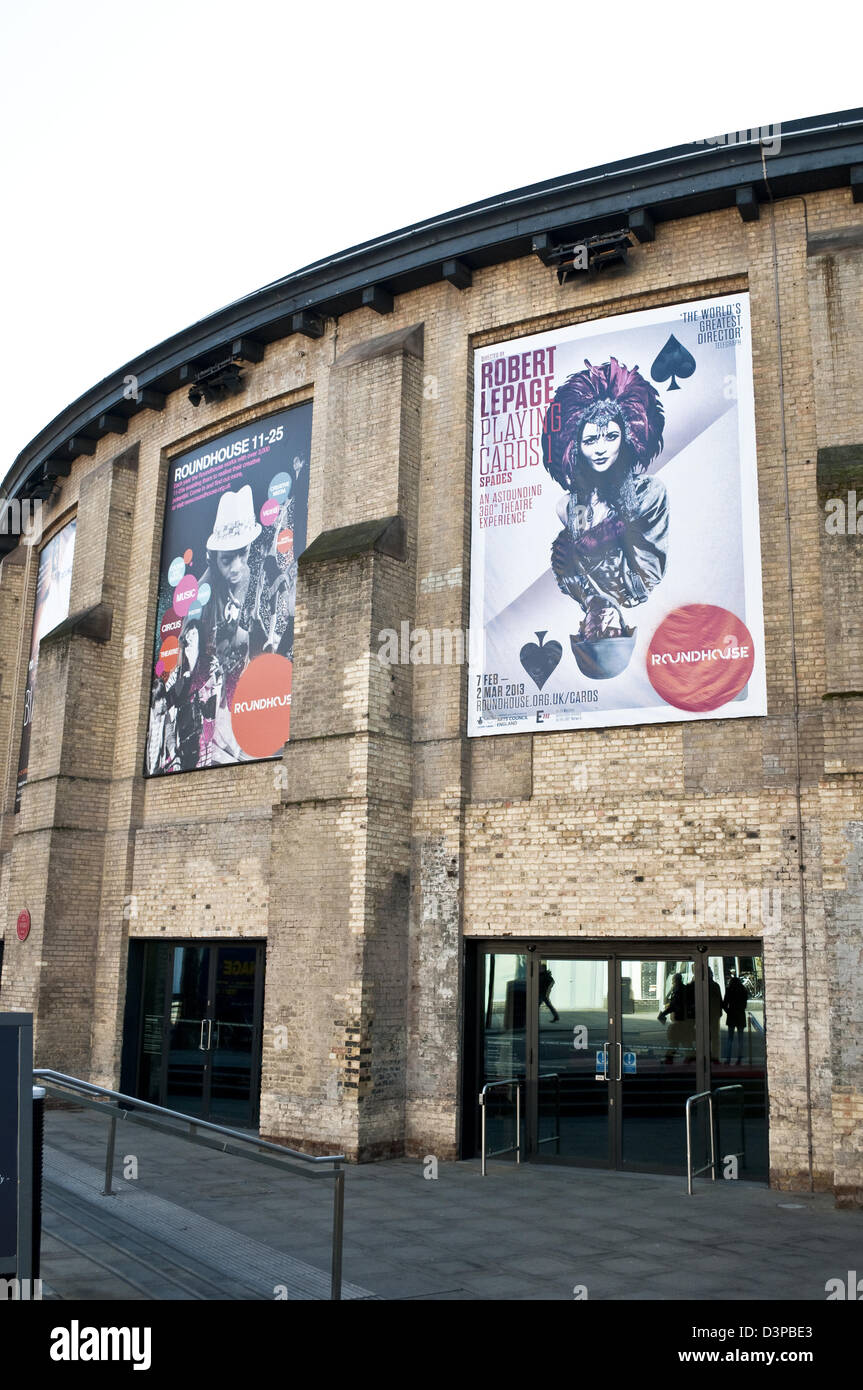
x=572 y=1071
x=503 y=1034
x=610 y=1042
x=199 y=1038
x=186 y=1079
x=738 y=1059
x=234 y=1039
x=660 y=1061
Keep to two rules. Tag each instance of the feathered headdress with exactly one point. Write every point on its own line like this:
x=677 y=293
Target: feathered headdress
x=627 y=397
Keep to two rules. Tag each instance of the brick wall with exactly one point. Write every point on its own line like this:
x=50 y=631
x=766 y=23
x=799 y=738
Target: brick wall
x=384 y=838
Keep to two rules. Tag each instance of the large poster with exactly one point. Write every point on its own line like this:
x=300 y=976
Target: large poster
x=53 y=586
x=235 y=524
x=615 y=556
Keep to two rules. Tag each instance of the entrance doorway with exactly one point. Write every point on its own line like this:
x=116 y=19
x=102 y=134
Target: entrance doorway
x=194 y=1016
x=609 y=1042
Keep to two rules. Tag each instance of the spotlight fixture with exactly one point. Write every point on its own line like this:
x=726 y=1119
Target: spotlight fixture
x=586 y=257
x=217 y=381
x=595 y=253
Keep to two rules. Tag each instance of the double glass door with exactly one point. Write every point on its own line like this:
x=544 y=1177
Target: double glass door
x=200 y=1031
x=609 y=1047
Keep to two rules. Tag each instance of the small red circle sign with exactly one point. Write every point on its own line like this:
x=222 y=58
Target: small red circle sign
x=23 y=927
x=700 y=657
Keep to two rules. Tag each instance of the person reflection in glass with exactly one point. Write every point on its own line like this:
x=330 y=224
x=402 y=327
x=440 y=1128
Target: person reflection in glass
x=673 y=1013
x=546 y=984
x=734 y=1004
x=715 y=1005
x=680 y=1012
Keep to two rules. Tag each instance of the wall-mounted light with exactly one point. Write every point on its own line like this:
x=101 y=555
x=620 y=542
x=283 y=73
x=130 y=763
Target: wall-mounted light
x=216 y=380
x=588 y=256
x=215 y=383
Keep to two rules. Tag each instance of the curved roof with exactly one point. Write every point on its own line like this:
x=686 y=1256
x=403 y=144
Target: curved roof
x=815 y=153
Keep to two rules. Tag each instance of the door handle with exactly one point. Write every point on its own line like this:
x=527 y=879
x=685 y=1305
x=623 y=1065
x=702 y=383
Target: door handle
x=619 y=1047
x=201 y=1046
x=605 y=1061
x=209 y=1034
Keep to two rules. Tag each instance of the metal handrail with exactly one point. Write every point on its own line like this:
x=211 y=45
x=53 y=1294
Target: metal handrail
x=736 y=1086
x=491 y=1086
x=275 y=1155
x=516 y=1147
x=708 y=1096
x=751 y=1022
x=552 y=1138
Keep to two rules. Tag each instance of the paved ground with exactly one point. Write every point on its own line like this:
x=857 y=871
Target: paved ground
x=137 y=1245
x=201 y=1224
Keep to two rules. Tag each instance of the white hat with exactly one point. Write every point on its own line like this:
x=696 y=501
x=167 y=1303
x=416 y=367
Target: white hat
x=235 y=521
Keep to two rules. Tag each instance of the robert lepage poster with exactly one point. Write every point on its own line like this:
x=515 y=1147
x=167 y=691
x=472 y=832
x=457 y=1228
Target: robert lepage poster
x=615 y=555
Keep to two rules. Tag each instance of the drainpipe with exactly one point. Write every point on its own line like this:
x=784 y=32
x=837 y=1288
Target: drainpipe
x=801 y=868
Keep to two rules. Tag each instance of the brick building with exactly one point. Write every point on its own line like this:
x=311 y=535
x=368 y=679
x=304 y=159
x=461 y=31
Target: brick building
x=343 y=943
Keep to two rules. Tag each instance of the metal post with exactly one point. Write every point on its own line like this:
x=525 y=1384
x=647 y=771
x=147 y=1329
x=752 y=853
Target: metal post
x=39 y=1094
x=739 y=1090
x=518 y=1122
x=483 y=1099
x=109 y=1157
x=701 y=1095
x=338 y=1230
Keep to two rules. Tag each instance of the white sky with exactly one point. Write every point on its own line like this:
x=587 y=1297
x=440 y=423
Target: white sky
x=162 y=159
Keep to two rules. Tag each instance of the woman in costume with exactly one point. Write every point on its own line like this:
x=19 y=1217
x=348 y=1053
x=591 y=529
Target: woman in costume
x=182 y=692
x=613 y=547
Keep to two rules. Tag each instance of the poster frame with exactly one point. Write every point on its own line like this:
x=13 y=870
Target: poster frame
x=615 y=319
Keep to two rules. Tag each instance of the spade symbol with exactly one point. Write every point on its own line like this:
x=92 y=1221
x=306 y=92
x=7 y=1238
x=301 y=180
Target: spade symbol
x=540 y=661
x=673 y=361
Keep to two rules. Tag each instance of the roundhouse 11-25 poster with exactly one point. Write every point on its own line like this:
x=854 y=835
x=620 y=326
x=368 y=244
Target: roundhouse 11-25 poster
x=235 y=523
x=615 y=553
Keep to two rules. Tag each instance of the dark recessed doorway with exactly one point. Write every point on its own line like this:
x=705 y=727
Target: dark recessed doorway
x=193 y=1033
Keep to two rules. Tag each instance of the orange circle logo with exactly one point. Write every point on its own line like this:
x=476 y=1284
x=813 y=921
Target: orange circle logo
x=700 y=657
x=169 y=654
x=261 y=708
